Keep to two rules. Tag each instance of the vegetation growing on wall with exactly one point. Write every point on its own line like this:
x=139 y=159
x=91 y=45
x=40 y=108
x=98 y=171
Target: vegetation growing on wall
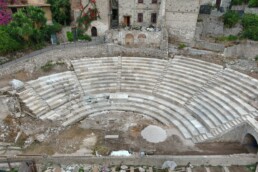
x=88 y=13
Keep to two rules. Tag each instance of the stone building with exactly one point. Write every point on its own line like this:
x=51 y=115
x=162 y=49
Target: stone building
x=14 y=6
x=178 y=17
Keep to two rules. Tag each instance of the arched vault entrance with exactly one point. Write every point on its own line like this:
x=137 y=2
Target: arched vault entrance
x=94 y=32
x=250 y=143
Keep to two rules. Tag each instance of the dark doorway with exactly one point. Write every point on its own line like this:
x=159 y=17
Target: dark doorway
x=127 y=20
x=94 y=32
x=250 y=143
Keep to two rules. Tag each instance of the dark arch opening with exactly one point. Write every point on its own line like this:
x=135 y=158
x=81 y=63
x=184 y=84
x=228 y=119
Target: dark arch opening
x=250 y=143
x=94 y=32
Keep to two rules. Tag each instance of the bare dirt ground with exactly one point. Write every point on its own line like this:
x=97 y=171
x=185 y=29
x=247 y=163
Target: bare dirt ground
x=25 y=76
x=88 y=136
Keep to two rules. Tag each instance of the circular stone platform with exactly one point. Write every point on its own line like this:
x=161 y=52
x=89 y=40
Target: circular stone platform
x=154 y=134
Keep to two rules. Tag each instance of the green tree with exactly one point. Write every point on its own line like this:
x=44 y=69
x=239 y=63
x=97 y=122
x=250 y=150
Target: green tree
x=61 y=10
x=253 y=3
x=21 y=26
x=37 y=16
x=29 y=25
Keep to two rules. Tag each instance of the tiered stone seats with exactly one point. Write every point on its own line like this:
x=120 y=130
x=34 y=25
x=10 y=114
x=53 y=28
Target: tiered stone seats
x=57 y=89
x=140 y=74
x=184 y=77
x=157 y=108
x=33 y=102
x=97 y=74
x=202 y=100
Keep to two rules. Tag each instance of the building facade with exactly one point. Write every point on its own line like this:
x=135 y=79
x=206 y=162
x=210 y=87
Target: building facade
x=178 y=17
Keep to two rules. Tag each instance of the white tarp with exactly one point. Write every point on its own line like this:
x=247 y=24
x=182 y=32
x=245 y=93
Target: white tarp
x=120 y=153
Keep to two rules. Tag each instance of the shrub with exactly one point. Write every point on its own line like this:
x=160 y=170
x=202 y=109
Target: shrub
x=250 y=20
x=84 y=37
x=256 y=58
x=56 y=27
x=232 y=38
x=7 y=43
x=69 y=36
x=253 y=3
x=81 y=169
x=250 y=26
x=231 y=18
x=251 y=33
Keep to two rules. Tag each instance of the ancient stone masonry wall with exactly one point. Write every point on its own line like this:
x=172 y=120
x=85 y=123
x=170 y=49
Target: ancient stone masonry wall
x=239 y=132
x=248 y=49
x=181 y=19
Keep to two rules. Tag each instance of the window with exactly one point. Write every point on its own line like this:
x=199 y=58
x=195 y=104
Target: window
x=153 y=17
x=154 y=1
x=140 y=17
x=140 y=1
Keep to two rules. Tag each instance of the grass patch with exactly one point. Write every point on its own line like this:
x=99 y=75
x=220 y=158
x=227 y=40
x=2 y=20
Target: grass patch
x=181 y=46
x=226 y=38
x=50 y=65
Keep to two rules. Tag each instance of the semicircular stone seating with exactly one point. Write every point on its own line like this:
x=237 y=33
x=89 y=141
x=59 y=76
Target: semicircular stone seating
x=202 y=100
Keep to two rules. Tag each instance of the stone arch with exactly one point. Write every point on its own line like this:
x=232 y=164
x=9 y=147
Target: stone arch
x=94 y=32
x=250 y=143
x=141 y=38
x=129 y=39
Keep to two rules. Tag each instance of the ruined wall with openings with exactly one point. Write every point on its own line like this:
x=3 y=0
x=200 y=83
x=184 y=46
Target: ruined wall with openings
x=134 y=38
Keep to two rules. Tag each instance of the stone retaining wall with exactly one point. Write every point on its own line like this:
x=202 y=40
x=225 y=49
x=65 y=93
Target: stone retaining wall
x=66 y=54
x=213 y=160
x=248 y=49
x=200 y=44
